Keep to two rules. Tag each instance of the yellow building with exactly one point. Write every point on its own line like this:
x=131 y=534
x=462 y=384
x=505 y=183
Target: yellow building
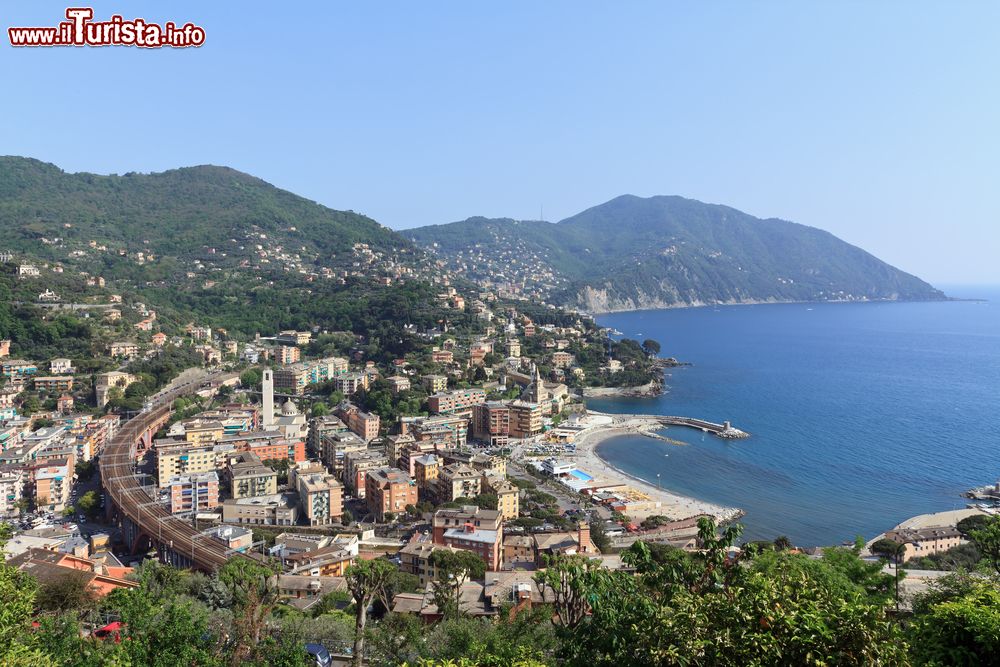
x=525 y=419
x=200 y=432
x=250 y=478
x=507 y=500
x=508 y=503
x=434 y=383
x=173 y=458
x=425 y=472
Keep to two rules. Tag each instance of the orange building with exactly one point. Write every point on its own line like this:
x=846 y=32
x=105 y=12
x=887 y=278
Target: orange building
x=471 y=529
x=454 y=401
x=389 y=490
x=289 y=355
x=294 y=451
x=48 y=566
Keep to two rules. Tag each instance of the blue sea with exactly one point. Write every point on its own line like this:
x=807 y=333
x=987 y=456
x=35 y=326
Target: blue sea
x=861 y=414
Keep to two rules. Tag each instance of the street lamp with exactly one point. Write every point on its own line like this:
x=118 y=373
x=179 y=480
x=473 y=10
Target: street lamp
x=658 y=481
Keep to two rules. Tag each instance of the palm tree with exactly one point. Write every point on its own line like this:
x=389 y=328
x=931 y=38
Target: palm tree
x=782 y=543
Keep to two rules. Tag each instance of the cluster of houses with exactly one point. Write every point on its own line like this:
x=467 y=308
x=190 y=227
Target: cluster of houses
x=510 y=267
x=51 y=554
x=240 y=466
x=37 y=467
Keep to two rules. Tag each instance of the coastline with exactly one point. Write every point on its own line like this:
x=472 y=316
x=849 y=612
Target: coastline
x=751 y=302
x=651 y=389
x=672 y=504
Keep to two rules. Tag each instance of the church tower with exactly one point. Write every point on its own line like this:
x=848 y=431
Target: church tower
x=267 y=389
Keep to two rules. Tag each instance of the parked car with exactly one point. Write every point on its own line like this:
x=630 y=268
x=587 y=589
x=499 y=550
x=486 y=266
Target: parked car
x=319 y=653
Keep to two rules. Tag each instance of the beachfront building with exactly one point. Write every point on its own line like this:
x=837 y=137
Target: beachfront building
x=525 y=419
x=921 y=542
x=491 y=423
x=557 y=468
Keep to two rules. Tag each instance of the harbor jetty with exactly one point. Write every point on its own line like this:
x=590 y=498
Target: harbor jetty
x=724 y=430
x=984 y=493
x=643 y=497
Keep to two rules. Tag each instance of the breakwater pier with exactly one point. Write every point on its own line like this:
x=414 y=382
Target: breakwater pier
x=724 y=430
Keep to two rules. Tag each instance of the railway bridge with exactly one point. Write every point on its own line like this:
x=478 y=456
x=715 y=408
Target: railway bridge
x=144 y=522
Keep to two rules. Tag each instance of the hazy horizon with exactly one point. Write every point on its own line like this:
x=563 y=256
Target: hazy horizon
x=873 y=122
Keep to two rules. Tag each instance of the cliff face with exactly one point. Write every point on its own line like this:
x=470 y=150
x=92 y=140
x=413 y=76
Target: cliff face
x=604 y=300
x=594 y=300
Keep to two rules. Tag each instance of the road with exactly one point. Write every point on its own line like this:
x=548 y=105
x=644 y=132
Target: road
x=565 y=499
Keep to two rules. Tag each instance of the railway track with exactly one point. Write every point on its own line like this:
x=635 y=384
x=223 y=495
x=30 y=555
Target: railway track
x=122 y=487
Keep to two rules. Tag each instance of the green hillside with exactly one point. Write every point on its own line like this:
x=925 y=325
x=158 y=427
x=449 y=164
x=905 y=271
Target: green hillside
x=179 y=214
x=634 y=253
x=206 y=244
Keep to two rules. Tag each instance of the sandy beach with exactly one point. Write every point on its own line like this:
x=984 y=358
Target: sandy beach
x=672 y=504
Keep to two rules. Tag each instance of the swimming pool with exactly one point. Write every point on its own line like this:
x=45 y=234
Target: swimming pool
x=581 y=475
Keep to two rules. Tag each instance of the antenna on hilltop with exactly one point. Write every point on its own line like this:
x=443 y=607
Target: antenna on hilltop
x=541 y=212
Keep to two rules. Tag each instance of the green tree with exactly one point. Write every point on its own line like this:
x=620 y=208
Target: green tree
x=782 y=543
x=89 y=503
x=251 y=378
x=651 y=347
x=367 y=580
x=85 y=470
x=971 y=523
x=987 y=540
x=162 y=633
x=889 y=549
x=280 y=466
x=454 y=568
x=599 y=536
x=714 y=608
x=961 y=631
x=69 y=592
x=17 y=592
x=574 y=580
x=161 y=582
x=254 y=596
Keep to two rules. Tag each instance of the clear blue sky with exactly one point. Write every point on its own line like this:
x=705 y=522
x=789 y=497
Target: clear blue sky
x=878 y=121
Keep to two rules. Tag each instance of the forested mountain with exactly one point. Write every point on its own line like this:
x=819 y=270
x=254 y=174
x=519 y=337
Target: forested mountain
x=205 y=244
x=178 y=216
x=633 y=252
